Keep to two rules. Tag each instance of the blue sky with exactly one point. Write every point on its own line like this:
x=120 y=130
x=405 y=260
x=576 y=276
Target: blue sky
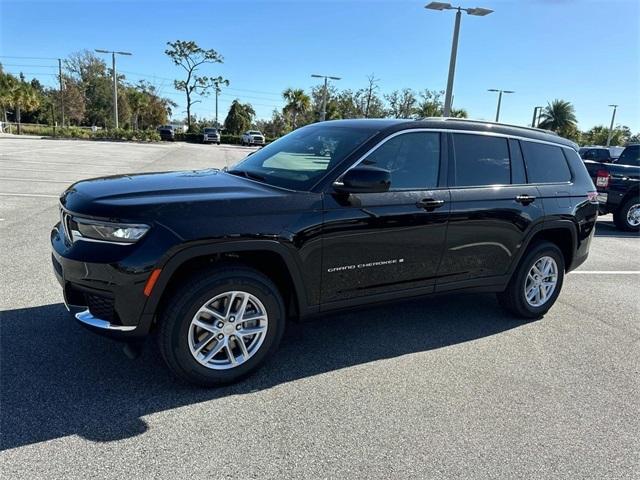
x=587 y=52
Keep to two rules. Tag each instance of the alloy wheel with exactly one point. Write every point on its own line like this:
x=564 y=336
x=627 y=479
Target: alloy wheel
x=228 y=330
x=541 y=281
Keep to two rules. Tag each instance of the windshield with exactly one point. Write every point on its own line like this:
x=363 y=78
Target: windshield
x=298 y=160
x=209 y=130
x=254 y=132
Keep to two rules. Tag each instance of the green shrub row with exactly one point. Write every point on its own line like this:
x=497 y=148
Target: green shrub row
x=88 y=134
x=108 y=134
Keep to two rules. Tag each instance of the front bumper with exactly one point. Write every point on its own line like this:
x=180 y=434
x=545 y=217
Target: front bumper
x=103 y=297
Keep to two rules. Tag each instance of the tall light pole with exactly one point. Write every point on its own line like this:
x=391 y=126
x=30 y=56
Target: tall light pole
x=534 y=121
x=613 y=117
x=478 y=12
x=115 y=81
x=500 y=92
x=324 y=94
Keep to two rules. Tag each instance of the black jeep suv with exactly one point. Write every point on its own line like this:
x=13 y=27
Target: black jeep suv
x=333 y=215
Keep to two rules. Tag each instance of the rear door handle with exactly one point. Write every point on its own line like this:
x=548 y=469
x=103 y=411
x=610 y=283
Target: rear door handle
x=525 y=199
x=429 y=204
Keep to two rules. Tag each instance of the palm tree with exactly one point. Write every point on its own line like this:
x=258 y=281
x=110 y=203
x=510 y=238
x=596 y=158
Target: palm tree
x=23 y=97
x=298 y=103
x=559 y=116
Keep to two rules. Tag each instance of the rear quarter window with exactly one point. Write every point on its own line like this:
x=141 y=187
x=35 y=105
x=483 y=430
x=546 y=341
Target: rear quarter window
x=545 y=163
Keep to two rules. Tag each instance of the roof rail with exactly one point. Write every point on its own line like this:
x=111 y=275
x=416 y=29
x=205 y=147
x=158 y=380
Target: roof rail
x=455 y=119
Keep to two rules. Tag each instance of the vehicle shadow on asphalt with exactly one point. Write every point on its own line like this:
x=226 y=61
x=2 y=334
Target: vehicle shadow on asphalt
x=609 y=229
x=58 y=379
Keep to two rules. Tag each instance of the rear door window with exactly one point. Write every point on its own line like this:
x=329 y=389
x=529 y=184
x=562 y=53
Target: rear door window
x=481 y=160
x=545 y=163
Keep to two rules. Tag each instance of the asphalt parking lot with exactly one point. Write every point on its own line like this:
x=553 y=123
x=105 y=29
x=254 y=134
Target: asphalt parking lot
x=442 y=387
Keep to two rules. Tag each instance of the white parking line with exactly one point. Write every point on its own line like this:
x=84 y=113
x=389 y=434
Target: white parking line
x=28 y=195
x=608 y=272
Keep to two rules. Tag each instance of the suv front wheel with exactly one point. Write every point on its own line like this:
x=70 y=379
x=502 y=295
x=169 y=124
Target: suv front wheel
x=221 y=326
x=536 y=283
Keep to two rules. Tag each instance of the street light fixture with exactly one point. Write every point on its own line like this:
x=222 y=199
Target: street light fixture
x=115 y=81
x=477 y=12
x=324 y=93
x=613 y=117
x=500 y=92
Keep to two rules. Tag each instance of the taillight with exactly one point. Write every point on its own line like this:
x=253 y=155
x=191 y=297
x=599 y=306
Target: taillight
x=602 y=178
x=592 y=197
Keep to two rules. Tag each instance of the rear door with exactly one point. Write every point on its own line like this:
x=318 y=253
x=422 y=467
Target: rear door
x=492 y=207
x=381 y=243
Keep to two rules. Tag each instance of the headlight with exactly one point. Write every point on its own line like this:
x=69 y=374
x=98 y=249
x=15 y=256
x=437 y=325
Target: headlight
x=106 y=232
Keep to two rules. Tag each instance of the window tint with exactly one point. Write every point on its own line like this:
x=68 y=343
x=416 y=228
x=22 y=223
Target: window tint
x=545 y=163
x=412 y=158
x=630 y=156
x=481 y=160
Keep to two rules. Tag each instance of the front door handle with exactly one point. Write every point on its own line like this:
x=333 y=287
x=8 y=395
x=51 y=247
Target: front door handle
x=429 y=204
x=525 y=199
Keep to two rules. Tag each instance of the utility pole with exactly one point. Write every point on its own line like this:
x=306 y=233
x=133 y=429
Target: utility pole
x=323 y=115
x=115 y=81
x=61 y=92
x=613 y=117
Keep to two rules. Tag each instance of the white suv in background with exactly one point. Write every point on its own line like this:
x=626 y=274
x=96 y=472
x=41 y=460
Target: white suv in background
x=252 y=137
x=211 y=135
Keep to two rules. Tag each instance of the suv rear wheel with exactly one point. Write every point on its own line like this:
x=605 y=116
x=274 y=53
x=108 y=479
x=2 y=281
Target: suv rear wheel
x=628 y=215
x=221 y=326
x=536 y=283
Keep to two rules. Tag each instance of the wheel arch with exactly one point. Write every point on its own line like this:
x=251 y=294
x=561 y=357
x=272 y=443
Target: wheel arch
x=562 y=233
x=269 y=257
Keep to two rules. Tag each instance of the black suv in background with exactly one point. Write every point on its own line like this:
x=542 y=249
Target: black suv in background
x=334 y=215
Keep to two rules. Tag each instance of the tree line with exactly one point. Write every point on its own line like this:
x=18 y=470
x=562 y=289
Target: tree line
x=86 y=99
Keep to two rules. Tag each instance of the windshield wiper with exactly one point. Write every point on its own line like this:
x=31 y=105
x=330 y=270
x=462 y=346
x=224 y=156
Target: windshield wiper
x=247 y=174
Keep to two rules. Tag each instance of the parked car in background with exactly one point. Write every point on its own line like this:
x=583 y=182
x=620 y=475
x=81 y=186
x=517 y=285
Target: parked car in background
x=596 y=153
x=211 y=135
x=331 y=216
x=252 y=137
x=618 y=186
x=167 y=132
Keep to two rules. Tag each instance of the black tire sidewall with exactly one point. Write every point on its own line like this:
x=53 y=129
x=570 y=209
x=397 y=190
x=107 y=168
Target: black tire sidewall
x=621 y=220
x=541 y=250
x=186 y=308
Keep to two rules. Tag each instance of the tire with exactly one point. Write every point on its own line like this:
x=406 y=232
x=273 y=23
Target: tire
x=623 y=219
x=513 y=298
x=217 y=143
x=177 y=337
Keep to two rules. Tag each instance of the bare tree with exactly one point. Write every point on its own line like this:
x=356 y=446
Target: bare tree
x=189 y=56
x=371 y=89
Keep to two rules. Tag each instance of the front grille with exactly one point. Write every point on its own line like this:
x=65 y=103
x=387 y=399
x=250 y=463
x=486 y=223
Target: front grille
x=100 y=307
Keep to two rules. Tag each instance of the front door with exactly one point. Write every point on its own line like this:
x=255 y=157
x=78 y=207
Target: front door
x=382 y=243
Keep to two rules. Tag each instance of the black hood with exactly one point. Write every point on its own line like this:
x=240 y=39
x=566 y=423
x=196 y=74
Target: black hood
x=145 y=195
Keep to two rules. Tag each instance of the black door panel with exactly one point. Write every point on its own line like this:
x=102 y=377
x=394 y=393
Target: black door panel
x=381 y=242
x=486 y=227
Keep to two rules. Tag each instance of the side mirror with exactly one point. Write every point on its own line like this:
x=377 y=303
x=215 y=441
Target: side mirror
x=363 y=179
